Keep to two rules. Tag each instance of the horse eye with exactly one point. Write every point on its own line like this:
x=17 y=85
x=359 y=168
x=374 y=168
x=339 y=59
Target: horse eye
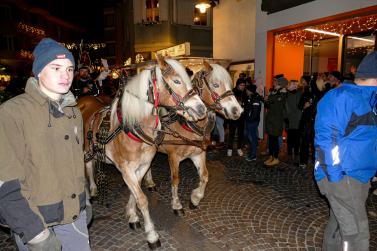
x=216 y=85
x=177 y=82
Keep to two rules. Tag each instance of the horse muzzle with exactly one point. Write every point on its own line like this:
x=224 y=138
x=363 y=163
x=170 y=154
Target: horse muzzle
x=194 y=113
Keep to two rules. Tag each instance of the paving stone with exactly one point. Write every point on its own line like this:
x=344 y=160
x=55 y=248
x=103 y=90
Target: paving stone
x=246 y=207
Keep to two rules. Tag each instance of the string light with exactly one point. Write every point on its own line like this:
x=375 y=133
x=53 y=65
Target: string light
x=94 y=46
x=31 y=29
x=342 y=27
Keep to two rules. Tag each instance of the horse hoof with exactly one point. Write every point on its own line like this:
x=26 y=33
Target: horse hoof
x=152 y=189
x=154 y=245
x=179 y=212
x=135 y=225
x=192 y=206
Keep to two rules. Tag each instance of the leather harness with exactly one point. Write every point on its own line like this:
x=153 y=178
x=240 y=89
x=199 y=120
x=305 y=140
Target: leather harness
x=166 y=115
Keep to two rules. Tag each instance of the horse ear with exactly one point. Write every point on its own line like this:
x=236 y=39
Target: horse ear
x=161 y=61
x=207 y=66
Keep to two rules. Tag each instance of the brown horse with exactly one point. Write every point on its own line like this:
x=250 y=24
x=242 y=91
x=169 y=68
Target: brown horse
x=88 y=105
x=134 y=126
x=213 y=84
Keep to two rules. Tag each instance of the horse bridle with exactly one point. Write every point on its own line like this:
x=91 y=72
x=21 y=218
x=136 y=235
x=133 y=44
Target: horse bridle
x=216 y=98
x=178 y=100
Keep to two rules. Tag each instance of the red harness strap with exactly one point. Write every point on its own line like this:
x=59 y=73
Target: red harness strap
x=129 y=134
x=184 y=126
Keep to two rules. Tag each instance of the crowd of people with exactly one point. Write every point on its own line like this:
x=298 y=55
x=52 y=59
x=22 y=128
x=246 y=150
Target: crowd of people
x=334 y=121
x=290 y=110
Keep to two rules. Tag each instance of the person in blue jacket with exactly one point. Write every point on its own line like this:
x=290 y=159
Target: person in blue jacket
x=346 y=156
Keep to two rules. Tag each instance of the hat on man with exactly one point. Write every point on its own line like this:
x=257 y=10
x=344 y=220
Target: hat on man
x=46 y=51
x=282 y=82
x=336 y=74
x=368 y=66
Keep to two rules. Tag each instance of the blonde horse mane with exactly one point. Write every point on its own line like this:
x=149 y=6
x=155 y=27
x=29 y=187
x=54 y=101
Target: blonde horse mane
x=219 y=74
x=134 y=102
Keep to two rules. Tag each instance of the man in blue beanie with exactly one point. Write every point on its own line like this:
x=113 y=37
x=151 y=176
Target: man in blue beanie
x=346 y=156
x=42 y=184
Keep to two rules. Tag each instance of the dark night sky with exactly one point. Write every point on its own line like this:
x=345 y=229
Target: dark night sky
x=87 y=14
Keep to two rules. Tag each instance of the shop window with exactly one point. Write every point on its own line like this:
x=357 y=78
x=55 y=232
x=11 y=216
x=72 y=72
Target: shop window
x=356 y=47
x=152 y=10
x=321 y=55
x=200 y=18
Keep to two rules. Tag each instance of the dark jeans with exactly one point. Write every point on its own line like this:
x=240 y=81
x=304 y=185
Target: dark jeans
x=251 y=129
x=273 y=145
x=293 y=141
x=348 y=221
x=233 y=126
x=306 y=141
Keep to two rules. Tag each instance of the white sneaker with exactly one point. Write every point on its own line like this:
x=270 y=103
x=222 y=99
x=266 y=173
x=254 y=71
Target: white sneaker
x=229 y=153
x=240 y=153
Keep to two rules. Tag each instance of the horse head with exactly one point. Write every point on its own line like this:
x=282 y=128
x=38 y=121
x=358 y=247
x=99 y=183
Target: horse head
x=176 y=91
x=166 y=84
x=214 y=86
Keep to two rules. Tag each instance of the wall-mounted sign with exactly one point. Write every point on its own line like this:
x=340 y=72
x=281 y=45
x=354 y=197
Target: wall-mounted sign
x=175 y=51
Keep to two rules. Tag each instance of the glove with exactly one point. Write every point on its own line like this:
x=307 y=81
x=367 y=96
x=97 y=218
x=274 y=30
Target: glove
x=45 y=241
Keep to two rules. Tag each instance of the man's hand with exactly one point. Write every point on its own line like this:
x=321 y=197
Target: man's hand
x=45 y=241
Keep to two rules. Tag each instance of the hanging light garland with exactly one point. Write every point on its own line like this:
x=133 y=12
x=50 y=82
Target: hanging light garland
x=94 y=46
x=342 y=27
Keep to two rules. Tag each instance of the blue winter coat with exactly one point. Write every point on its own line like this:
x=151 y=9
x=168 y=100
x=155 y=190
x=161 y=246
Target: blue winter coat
x=346 y=134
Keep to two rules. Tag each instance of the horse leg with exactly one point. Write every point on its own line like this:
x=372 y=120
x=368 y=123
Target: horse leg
x=148 y=181
x=89 y=170
x=133 y=218
x=132 y=175
x=198 y=193
x=174 y=172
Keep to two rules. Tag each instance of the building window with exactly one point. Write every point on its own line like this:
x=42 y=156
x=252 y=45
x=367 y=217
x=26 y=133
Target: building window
x=109 y=20
x=357 y=46
x=200 y=18
x=6 y=43
x=152 y=10
x=5 y=13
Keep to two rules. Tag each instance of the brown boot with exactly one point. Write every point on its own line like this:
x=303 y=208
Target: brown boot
x=274 y=162
x=271 y=158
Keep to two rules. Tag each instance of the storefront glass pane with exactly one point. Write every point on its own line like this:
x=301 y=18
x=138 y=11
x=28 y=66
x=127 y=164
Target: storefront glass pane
x=321 y=56
x=356 y=47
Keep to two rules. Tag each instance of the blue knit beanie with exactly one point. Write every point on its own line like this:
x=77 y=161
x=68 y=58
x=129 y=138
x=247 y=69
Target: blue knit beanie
x=368 y=66
x=48 y=50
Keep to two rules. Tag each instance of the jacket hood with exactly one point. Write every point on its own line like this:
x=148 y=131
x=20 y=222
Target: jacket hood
x=32 y=88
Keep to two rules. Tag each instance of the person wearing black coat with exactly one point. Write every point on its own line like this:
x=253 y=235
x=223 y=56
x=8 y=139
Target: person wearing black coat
x=239 y=124
x=276 y=113
x=253 y=106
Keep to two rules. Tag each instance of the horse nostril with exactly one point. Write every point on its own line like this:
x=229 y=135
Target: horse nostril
x=234 y=110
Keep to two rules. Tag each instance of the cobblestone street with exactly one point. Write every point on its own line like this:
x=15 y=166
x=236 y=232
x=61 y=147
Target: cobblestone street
x=246 y=207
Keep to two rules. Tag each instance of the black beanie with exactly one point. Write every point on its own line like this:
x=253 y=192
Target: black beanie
x=336 y=74
x=48 y=50
x=368 y=66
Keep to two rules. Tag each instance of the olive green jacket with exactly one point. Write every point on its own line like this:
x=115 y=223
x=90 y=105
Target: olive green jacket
x=41 y=162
